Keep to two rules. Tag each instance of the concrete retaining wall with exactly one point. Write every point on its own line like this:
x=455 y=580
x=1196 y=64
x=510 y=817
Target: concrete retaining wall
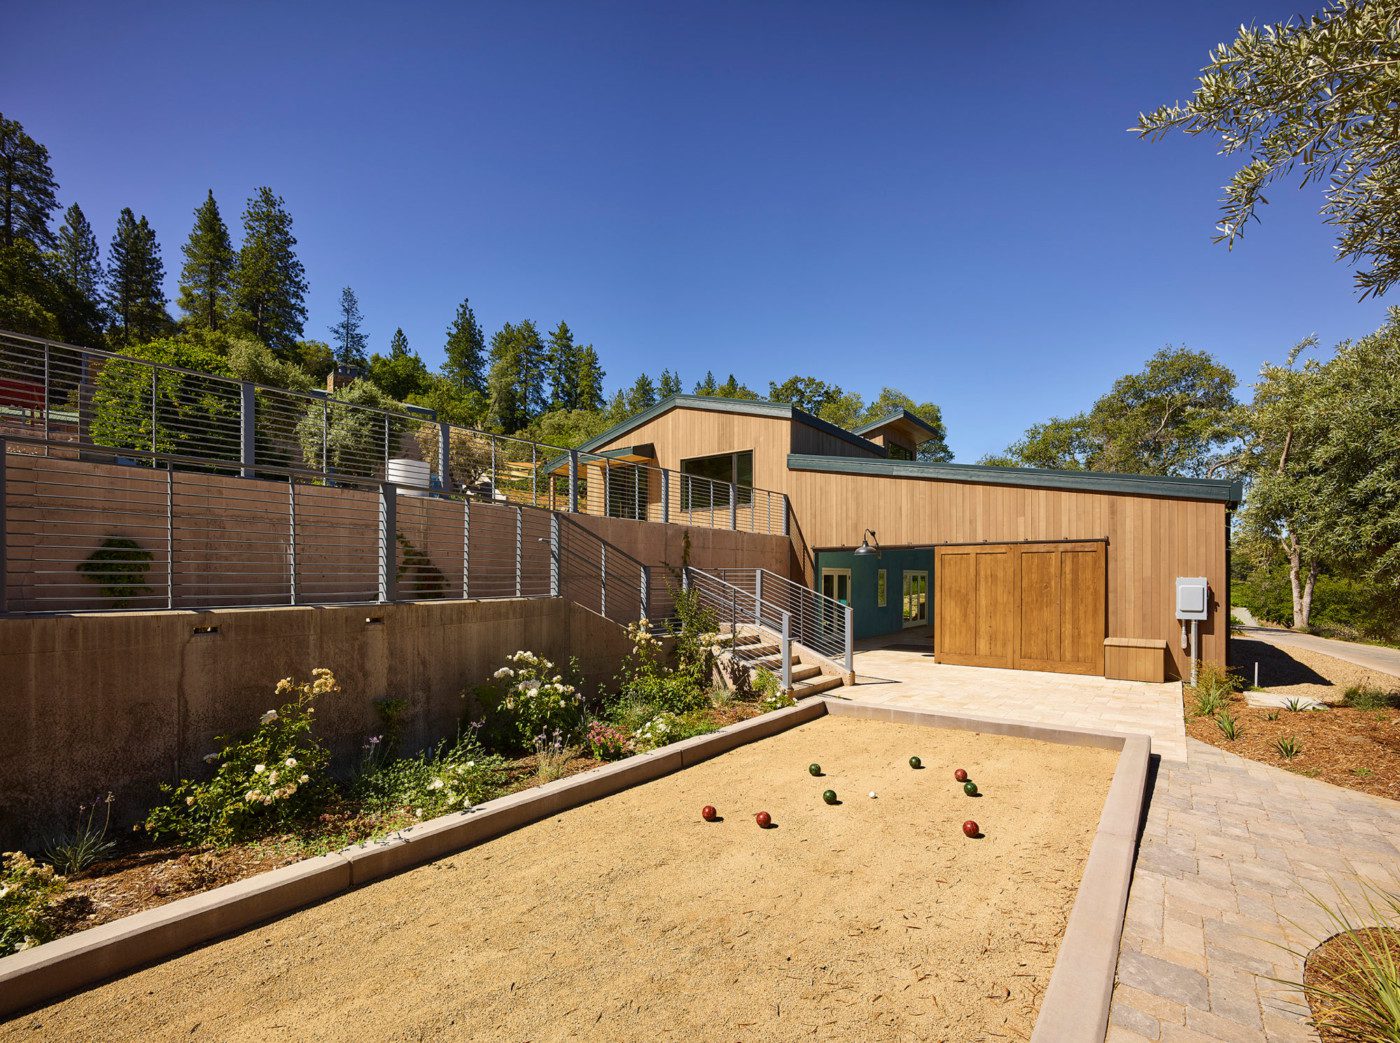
x=124 y=701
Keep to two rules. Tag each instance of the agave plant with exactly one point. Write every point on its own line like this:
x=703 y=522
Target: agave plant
x=1228 y=726
x=1288 y=748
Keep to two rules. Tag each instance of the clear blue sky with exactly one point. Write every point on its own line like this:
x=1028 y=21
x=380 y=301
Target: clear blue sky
x=936 y=196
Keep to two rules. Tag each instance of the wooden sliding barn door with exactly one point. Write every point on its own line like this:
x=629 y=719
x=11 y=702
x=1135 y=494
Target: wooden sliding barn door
x=1022 y=606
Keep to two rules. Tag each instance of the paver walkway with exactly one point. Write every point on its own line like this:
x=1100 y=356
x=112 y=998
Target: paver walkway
x=1229 y=852
x=898 y=677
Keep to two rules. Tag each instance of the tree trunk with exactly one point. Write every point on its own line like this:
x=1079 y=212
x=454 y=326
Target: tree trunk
x=1307 y=598
x=1290 y=547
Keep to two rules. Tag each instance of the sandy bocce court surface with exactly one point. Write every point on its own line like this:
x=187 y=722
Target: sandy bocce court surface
x=631 y=918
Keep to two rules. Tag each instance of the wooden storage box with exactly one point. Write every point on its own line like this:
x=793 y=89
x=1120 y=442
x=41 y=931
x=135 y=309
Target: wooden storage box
x=1135 y=659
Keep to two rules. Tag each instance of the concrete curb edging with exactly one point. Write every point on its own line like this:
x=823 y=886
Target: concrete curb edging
x=55 y=969
x=1076 y=1002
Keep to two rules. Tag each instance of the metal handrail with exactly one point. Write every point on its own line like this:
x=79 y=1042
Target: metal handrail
x=823 y=625
x=744 y=610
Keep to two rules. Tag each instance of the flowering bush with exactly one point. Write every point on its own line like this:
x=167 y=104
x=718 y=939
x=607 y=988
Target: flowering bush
x=646 y=676
x=448 y=778
x=26 y=889
x=274 y=774
x=531 y=699
x=666 y=728
x=608 y=742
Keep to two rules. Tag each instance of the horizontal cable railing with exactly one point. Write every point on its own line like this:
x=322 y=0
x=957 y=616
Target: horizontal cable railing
x=135 y=410
x=821 y=624
x=759 y=633
x=162 y=531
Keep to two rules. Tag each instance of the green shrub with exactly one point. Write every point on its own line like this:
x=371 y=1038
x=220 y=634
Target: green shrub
x=528 y=699
x=74 y=851
x=666 y=728
x=1288 y=748
x=1228 y=726
x=1369 y=697
x=1208 y=703
x=265 y=779
x=447 y=778
x=608 y=742
x=26 y=891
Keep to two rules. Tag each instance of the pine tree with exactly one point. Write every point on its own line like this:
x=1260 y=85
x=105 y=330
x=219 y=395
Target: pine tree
x=588 y=380
x=206 y=280
x=561 y=363
x=517 y=375
x=269 y=287
x=346 y=336
x=708 y=385
x=398 y=344
x=76 y=257
x=77 y=264
x=465 y=361
x=642 y=394
x=668 y=385
x=28 y=191
x=400 y=373
x=135 y=278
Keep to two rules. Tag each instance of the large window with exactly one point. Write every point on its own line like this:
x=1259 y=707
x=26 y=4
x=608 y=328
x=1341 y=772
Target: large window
x=705 y=480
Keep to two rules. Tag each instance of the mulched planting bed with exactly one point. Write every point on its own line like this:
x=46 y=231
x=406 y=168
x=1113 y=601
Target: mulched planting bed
x=1326 y=969
x=1354 y=748
x=146 y=875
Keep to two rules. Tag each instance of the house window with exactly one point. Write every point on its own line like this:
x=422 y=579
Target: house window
x=705 y=480
x=899 y=452
x=915 y=599
x=882 y=587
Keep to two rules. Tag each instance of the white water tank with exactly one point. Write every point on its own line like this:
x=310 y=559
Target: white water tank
x=414 y=477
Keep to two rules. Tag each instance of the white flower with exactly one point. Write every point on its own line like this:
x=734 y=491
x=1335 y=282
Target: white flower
x=28 y=943
x=304 y=779
x=290 y=762
x=189 y=802
x=436 y=784
x=268 y=717
x=4 y=891
x=251 y=795
x=503 y=672
x=272 y=778
x=259 y=768
x=210 y=758
x=469 y=764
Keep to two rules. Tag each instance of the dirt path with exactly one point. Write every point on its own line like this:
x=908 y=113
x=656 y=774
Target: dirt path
x=630 y=918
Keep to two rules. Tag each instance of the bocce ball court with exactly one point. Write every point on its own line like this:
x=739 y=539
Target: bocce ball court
x=629 y=917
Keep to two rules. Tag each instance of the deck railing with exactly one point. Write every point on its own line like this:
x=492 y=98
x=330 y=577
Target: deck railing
x=97 y=405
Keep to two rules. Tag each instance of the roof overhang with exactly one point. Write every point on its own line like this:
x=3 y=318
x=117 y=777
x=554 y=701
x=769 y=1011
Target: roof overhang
x=1211 y=489
x=905 y=425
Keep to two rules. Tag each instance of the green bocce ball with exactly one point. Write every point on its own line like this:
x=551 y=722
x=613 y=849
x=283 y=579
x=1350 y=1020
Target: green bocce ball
x=970 y=788
x=814 y=770
x=915 y=763
x=829 y=796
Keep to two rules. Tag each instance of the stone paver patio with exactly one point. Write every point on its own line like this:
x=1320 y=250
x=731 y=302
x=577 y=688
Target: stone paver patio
x=1230 y=851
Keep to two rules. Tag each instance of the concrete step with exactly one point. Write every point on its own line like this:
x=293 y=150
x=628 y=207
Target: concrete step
x=817 y=685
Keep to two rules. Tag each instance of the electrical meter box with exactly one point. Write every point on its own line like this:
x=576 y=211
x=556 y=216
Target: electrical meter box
x=1192 y=597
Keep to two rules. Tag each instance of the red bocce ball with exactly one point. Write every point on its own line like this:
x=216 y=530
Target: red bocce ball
x=763 y=819
x=708 y=813
x=960 y=775
x=970 y=828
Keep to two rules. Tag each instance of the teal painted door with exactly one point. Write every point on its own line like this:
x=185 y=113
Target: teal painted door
x=836 y=584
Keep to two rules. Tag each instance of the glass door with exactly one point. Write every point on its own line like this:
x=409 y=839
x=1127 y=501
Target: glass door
x=915 y=599
x=836 y=584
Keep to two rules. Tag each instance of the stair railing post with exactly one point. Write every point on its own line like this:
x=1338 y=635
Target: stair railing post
x=466 y=543
x=646 y=591
x=665 y=495
x=573 y=481
x=445 y=457
x=733 y=506
x=247 y=426
x=169 y=536
x=603 y=580
x=554 y=585
x=292 y=538
x=850 y=641
x=388 y=545
x=786 y=652
x=519 y=541
x=757 y=595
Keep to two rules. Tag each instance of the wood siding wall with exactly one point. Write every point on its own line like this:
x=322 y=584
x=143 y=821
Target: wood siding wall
x=1151 y=541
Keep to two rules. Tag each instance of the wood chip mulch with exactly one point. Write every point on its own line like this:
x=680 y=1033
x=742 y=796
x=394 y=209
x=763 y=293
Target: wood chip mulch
x=1326 y=971
x=1352 y=748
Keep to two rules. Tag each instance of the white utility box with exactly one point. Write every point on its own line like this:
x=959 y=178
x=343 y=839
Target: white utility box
x=1192 y=597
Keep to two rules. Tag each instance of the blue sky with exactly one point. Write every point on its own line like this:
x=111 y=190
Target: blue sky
x=931 y=195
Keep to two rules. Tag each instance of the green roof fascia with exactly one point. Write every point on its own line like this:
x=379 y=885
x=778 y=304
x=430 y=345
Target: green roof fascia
x=893 y=415
x=1214 y=489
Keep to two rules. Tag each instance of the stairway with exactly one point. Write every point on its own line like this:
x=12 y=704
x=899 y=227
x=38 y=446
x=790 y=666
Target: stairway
x=759 y=651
